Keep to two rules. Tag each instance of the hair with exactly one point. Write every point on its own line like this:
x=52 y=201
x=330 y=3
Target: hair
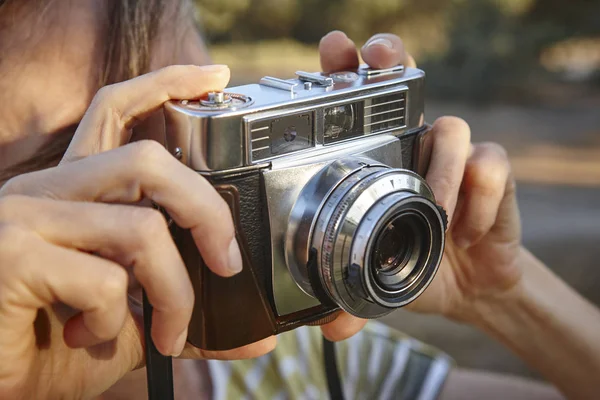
x=132 y=27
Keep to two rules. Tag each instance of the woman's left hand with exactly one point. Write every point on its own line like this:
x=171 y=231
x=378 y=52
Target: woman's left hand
x=473 y=183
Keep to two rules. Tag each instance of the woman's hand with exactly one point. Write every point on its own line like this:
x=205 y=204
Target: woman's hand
x=472 y=182
x=66 y=330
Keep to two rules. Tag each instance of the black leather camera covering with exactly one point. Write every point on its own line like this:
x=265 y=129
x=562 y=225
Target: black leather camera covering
x=236 y=311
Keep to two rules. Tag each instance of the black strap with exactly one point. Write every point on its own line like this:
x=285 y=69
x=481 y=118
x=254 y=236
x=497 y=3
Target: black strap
x=159 y=368
x=331 y=371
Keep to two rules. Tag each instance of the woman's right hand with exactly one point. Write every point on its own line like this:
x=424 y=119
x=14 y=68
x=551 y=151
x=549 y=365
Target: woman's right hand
x=69 y=235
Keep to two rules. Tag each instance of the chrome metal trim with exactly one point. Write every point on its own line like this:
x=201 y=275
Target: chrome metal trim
x=214 y=138
x=304 y=215
x=383 y=112
x=277 y=83
x=383 y=122
x=261 y=148
x=371 y=72
x=314 y=78
x=341 y=271
x=384 y=104
x=290 y=189
x=248 y=121
x=236 y=171
x=317 y=124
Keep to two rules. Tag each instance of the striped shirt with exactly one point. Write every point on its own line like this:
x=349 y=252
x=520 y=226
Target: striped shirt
x=376 y=363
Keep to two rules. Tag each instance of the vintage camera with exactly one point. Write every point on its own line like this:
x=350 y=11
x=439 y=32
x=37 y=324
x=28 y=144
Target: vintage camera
x=324 y=177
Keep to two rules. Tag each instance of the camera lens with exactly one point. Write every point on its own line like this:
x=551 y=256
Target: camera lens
x=399 y=251
x=393 y=247
x=376 y=242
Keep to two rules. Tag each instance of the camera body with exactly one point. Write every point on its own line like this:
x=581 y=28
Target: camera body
x=323 y=175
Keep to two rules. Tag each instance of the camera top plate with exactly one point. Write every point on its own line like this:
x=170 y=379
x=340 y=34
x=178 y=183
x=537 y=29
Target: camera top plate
x=252 y=124
x=273 y=92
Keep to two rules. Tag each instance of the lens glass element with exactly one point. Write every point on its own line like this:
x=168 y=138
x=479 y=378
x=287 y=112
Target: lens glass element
x=377 y=239
x=393 y=247
x=400 y=248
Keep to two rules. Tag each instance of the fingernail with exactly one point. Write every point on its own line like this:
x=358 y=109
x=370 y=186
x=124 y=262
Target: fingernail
x=180 y=344
x=214 y=67
x=380 y=41
x=235 y=257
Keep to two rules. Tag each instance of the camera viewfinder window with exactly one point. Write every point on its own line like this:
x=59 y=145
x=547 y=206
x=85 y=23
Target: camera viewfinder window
x=343 y=122
x=283 y=135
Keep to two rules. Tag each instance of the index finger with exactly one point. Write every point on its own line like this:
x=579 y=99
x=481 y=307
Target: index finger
x=117 y=108
x=451 y=148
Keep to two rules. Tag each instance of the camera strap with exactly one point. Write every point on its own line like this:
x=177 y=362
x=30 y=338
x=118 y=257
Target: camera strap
x=334 y=383
x=159 y=368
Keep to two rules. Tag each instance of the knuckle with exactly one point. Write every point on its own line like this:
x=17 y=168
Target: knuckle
x=495 y=150
x=147 y=154
x=491 y=170
x=12 y=238
x=13 y=185
x=113 y=287
x=104 y=95
x=14 y=244
x=454 y=126
x=473 y=231
x=485 y=181
x=147 y=223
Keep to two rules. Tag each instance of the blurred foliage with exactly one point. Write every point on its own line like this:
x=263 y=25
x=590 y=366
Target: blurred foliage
x=460 y=43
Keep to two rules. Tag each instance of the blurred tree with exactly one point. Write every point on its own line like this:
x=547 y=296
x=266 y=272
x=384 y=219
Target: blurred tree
x=217 y=17
x=461 y=43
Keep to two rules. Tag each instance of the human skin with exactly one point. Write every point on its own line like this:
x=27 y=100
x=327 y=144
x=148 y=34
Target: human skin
x=65 y=213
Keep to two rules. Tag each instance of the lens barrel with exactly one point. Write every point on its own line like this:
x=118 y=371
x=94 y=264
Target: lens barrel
x=378 y=239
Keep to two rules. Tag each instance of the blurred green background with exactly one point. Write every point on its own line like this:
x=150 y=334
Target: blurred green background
x=519 y=48
x=523 y=73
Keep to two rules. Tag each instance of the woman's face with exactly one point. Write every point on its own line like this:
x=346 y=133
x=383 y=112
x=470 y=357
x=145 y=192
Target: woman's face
x=49 y=69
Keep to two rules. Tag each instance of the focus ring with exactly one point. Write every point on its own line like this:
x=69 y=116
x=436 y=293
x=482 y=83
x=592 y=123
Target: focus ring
x=341 y=273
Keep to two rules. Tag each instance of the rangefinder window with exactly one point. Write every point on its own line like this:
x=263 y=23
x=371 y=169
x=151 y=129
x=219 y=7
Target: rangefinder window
x=283 y=135
x=343 y=122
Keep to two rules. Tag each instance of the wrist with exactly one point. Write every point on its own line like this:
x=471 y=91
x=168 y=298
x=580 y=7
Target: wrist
x=547 y=324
